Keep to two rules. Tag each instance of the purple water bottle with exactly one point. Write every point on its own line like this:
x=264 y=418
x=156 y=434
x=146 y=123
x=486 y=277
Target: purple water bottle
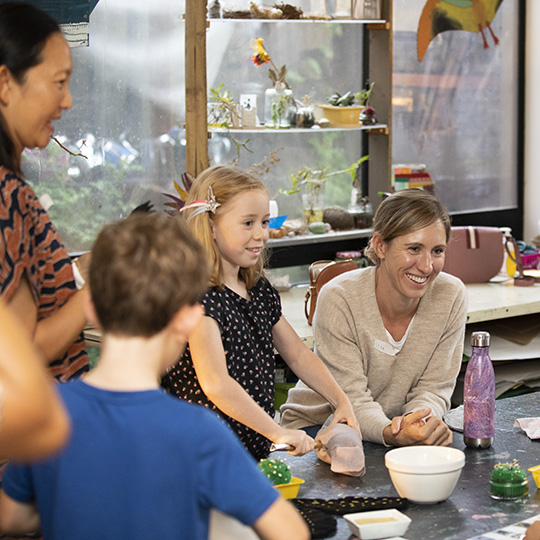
x=479 y=395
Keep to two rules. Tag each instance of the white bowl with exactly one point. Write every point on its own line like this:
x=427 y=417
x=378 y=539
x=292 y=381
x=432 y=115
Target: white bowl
x=425 y=474
x=377 y=524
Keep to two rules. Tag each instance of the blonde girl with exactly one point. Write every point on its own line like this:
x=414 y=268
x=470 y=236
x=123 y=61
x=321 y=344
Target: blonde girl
x=229 y=363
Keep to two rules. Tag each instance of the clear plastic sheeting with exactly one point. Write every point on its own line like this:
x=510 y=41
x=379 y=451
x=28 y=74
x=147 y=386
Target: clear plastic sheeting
x=457 y=110
x=127 y=120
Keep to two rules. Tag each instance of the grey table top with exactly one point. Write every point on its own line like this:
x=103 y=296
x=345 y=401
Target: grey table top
x=469 y=511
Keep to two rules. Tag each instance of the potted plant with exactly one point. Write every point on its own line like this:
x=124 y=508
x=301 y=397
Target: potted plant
x=344 y=110
x=311 y=183
x=222 y=110
x=304 y=116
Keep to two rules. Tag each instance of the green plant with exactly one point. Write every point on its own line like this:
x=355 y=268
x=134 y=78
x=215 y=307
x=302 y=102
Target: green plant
x=364 y=95
x=318 y=176
x=226 y=110
x=81 y=205
x=350 y=98
x=338 y=100
x=312 y=183
x=280 y=106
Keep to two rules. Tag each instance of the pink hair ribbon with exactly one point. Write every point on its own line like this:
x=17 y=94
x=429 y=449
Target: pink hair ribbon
x=208 y=205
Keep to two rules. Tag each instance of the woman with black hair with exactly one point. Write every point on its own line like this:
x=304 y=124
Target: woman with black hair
x=36 y=273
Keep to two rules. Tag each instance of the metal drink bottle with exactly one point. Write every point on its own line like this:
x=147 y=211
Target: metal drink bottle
x=479 y=395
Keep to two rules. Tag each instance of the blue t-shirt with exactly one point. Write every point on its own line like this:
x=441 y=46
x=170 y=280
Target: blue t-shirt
x=140 y=465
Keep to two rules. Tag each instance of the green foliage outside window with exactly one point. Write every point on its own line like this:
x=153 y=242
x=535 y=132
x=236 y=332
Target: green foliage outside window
x=81 y=206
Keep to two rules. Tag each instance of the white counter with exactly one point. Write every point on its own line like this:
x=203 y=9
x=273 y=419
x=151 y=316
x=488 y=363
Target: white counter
x=491 y=301
x=487 y=302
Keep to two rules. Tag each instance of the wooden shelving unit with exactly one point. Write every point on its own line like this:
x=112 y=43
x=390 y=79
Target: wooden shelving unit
x=379 y=69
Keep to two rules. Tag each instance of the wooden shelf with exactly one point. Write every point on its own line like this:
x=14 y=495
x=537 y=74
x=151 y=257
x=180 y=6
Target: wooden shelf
x=378 y=25
x=377 y=59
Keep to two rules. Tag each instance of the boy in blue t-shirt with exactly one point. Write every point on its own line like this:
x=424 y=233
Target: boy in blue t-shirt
x=142 y=464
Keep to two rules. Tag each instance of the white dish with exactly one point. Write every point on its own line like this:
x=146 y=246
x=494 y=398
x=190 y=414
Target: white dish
x=377 y=524
x=425 y=474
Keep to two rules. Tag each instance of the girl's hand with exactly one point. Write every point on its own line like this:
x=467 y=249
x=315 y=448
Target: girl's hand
x=297 y=438
x=417 y=428
x=344 y=414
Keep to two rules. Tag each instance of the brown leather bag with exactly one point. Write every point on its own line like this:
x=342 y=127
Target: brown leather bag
x=321 y=272
x=474 y=254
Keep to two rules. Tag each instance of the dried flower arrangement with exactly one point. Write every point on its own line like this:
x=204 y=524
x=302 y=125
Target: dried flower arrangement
x=261 y=56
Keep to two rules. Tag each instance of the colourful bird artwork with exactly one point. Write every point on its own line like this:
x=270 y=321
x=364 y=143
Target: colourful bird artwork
x=468 y=15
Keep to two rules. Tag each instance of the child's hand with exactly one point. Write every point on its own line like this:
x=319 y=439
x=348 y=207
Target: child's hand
x=344 y=414
x=297 y=438
x=533 y=532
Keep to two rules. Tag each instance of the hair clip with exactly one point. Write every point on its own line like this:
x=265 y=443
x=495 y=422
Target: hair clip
x=208 y=205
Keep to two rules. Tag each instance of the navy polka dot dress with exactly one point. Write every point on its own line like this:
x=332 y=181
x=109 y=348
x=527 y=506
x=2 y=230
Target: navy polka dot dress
x=246 y=333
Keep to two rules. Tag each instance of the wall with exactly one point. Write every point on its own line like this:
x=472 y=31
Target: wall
x=532 y=122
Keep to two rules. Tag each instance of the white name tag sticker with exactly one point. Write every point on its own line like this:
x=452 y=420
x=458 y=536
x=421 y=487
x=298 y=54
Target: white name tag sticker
x=384 y=347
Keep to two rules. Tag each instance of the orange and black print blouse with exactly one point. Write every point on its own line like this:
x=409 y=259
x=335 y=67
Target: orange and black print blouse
x=29 y=244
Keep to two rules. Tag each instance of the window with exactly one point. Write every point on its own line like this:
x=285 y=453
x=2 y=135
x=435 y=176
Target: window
x=128 y=107
x=458 y=110
x=321 y=59
x=128 y=112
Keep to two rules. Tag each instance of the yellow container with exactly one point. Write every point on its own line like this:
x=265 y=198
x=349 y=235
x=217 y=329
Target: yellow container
x=536 y=475
x=343 y=117
x=290 y=490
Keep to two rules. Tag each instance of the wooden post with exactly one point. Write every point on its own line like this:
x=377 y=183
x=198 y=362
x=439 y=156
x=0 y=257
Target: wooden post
x=197 y=159
x=380 y=70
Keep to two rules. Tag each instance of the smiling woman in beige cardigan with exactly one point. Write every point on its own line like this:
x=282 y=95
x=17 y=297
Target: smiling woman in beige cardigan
x=392 y=334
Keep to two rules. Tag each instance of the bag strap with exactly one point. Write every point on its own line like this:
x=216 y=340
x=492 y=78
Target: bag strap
x=315 y=270
x=308 y=296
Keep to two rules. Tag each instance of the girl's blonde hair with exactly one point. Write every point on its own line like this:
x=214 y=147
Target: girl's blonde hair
x=226 y=182
x=405 y=212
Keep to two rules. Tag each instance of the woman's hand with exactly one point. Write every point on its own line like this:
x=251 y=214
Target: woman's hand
x=417 y=428
x=297 y=438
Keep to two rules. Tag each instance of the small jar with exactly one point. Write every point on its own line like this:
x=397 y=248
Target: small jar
x=356 y=256
x=278 y=102
x=361 y=210
x=305 y=117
